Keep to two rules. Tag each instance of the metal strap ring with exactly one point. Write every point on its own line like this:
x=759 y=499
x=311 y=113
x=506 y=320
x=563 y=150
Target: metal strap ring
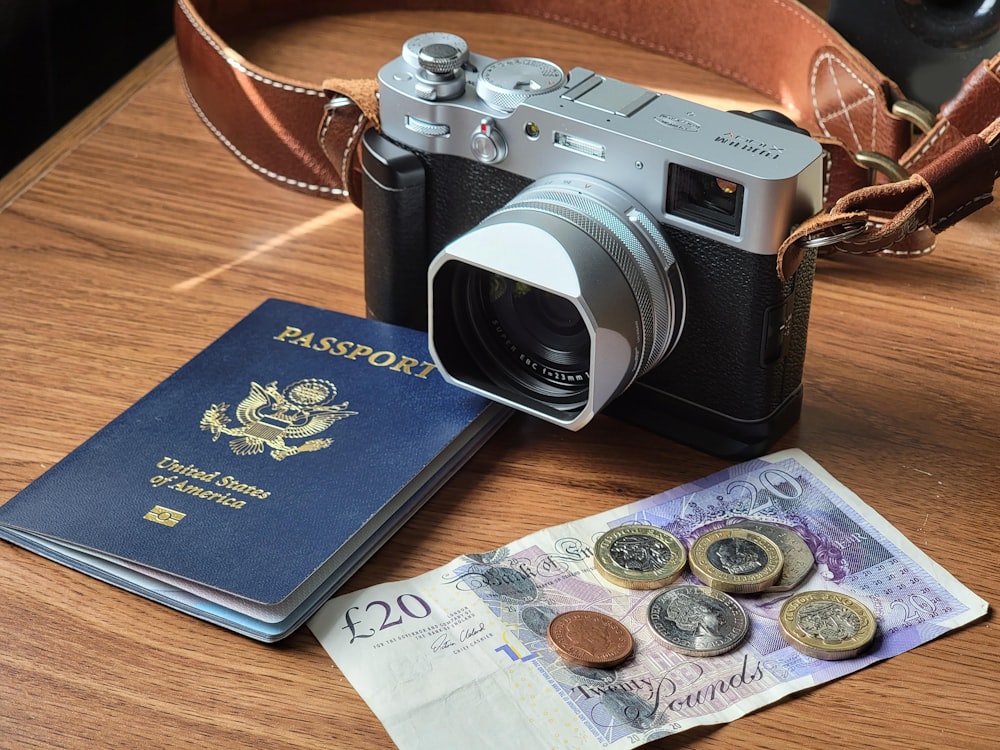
x=337 y=102
x=849 y=230
x=881 y=163
x=914 y=113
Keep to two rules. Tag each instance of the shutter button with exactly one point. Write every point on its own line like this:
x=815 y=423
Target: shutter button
x=440 y=74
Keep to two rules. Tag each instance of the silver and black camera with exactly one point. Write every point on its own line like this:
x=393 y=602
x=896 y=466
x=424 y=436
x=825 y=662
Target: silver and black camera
x=574 y=243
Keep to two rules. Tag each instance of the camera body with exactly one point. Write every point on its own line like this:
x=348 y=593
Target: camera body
x=573 y=242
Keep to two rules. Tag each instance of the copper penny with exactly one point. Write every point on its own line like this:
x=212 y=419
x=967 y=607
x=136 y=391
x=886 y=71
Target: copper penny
x=590 y=639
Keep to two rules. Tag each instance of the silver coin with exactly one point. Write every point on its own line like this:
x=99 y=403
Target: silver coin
x=799 y=558
x=698 y=620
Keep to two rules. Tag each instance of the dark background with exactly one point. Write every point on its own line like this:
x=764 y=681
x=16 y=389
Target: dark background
x=57 y=56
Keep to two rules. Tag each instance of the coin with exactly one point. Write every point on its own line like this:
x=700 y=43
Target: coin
x=798 y=557
x=590 y=639
x=698 y=620
x=739 y=561
x=639 y=557
x=827 y=625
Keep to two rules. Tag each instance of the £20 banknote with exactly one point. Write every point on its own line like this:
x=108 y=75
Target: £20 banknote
x=458 y=657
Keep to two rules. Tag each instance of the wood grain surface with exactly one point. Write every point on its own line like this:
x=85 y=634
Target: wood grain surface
x=133 y=239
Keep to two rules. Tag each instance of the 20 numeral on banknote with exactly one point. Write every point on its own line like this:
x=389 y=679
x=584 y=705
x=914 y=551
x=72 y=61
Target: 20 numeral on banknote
x=403 y=602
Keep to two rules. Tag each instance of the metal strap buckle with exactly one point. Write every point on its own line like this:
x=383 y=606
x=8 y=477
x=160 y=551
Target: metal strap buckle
x=918 y=116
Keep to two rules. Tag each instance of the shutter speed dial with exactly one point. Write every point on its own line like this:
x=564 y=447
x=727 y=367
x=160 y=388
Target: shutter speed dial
x=504 y=84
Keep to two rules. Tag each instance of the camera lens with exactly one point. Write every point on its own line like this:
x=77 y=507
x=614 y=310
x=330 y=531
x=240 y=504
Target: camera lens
x=557 y=301
x=533 y=338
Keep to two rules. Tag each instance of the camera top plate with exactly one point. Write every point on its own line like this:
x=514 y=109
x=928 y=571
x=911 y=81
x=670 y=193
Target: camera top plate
x=543 y=122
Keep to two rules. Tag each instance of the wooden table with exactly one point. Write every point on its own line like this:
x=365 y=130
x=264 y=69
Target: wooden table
x=133 y=239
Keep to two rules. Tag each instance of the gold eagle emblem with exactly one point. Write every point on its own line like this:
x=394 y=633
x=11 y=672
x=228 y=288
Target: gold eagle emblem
x=268 y=417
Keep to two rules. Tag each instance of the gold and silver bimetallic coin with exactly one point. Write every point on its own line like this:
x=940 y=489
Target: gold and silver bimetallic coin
x=736 y=560
x=827 y=625
x=799 y=560
x=697 y=620
x=639 y=557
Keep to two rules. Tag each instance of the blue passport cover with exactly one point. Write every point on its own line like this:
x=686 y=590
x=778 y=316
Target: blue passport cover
x=249 y=484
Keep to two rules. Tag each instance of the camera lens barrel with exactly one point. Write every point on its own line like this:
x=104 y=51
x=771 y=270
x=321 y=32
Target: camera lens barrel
x=557 y=301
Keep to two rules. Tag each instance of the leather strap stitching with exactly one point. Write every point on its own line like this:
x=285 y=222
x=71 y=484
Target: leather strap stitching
x=978 y=201
x=258 y=168
x=846 y=109
x=929 y=142
x=234 y=61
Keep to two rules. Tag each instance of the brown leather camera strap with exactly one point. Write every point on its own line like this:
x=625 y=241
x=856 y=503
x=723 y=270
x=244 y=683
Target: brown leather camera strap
x=305 y=135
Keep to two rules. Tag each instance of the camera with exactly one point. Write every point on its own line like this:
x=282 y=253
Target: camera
x=573 y=244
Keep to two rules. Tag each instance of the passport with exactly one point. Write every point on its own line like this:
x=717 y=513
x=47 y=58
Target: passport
x=251 y=483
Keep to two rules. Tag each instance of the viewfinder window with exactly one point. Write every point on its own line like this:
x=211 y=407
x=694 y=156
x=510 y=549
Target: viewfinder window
x=704 y=198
